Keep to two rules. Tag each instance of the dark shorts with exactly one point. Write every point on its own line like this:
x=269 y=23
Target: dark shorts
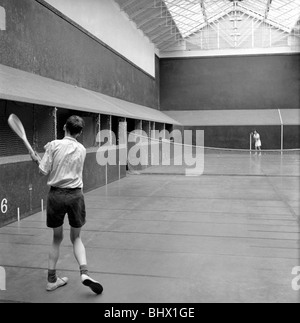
x=62 y=201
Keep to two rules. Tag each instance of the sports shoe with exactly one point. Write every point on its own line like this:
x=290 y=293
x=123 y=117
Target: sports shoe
x=95 y=286
x=60 y=282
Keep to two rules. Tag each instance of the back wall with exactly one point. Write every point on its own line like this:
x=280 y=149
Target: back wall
x=231 y=82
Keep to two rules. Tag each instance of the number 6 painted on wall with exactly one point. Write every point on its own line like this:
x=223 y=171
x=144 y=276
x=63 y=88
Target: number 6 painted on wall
x=296 y=280
x=4 y=206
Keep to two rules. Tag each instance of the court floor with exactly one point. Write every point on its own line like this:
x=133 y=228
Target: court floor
x=228 y=236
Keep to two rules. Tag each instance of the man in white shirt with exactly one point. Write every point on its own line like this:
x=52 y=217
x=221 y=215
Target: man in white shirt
x=257 y=140
x=63 y=161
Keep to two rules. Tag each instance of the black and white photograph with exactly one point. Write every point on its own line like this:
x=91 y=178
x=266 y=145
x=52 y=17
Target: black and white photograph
x=149 y=154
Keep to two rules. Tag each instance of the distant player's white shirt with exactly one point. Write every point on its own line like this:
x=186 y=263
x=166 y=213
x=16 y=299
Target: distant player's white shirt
x=257 y=140
x=63 y=161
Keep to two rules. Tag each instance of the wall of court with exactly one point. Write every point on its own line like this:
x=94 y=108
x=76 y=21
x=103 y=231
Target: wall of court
x=21 y=185
x=40 y=40
x=106 y=21
x=230 y=82
x=43 y=41
x=291 y=135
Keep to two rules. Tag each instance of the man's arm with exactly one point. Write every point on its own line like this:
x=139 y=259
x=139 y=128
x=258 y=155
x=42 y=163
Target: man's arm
x=36 y=158
x=44 y=163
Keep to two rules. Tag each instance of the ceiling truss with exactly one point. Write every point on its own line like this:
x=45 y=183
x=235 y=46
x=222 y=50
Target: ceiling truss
x=212 y=24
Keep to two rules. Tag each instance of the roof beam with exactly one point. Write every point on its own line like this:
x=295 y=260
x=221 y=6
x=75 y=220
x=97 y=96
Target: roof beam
x=153 y=27
x=202 y=5
x=168 y=45
x=135 y=6
x=172 y=38
x=268 y=9
x=142 y=11
x=260 y=17
x=182 y=9
x=212 y=19
x=127 y=4
x=155 y=16
x=160 y=37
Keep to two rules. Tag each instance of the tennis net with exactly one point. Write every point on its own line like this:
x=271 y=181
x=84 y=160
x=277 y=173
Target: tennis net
x=166 y=157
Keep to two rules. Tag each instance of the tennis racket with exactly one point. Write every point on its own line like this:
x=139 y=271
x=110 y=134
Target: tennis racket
x=17 y=126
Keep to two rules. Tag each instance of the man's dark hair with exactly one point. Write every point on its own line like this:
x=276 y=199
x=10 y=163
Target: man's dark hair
x=74 y=125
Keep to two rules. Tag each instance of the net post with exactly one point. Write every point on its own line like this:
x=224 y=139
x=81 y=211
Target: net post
x=250 y=143
x=282 y=137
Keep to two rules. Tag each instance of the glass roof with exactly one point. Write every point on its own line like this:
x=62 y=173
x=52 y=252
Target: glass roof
x=192 y=15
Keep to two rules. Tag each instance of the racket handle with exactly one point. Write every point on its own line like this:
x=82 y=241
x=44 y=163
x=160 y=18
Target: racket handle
x=28 y=146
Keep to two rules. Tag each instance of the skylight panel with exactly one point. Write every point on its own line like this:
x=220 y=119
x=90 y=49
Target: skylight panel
x=186 y=14
x=285 y=12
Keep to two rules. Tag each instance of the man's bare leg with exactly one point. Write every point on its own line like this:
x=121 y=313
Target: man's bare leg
x=55 y=282
x=80 y=255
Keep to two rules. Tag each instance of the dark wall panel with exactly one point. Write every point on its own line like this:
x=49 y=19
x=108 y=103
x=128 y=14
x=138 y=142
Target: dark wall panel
x=10 y=143
x=38 y=122
x=39 y=41
x=291 y=135
x=113 y=173
x=94 y=175
x=23 y=187
x=221 y=83
x=157 y=80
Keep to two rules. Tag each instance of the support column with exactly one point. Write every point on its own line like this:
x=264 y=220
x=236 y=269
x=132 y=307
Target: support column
x=99 y=130
x=55 y=122
x=282 y=138
x=282 y=132
x=110 y=129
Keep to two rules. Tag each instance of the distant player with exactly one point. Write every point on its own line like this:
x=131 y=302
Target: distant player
x=63 y=162
x=257 y=140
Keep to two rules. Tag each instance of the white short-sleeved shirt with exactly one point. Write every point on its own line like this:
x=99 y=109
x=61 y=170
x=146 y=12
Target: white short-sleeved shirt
x=257 y=140
x=63 y=161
